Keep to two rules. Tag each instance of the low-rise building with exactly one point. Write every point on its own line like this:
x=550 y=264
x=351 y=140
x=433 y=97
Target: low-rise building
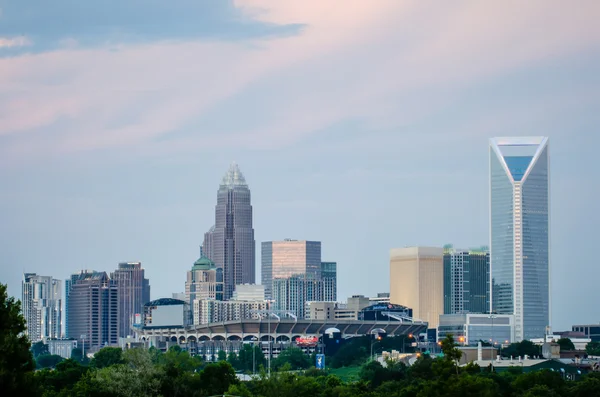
x=213 y=311
x=61 y=347
x=166 y=312
x=474 y=327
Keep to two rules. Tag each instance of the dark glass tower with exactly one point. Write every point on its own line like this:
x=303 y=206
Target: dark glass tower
x=230 y=242
x=466 y=280
x=134 y=293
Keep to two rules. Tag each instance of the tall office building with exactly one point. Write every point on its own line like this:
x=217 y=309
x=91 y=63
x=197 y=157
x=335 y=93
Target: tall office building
x=329 y=277
x=94 y=310
x=134 y=293
x=417 y=281
x=204 y=281
x=230 y=242
x=466 y=280
x=291 y=293
x=282 y=259
x=42 y=306
x=519 y=232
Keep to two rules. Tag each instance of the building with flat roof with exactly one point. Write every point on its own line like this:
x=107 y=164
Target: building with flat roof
x=466 y=280
x=417 y=281
x=134 y=292
x=591 y=331
x=42 y=307
x=61 y=347
x=167 y=312
x=212 y=311
x=498 y=329
x=520 y=231
x=249 y=292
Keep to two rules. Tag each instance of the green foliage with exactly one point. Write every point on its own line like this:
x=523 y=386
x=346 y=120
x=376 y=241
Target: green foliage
x=39 y=349
x=294 y=357
x=217 y=378
x=48 y=361
x=221 y=356
x=521 y=349
x=565 y=344
x=107 y=356
x=16 y=361
x=62 y=379
x=593 y=348
x=77 y=355
x=249 y=358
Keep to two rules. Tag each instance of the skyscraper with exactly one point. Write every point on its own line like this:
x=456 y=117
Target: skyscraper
x=42 y=306
x=291 y=293
x=94 y=310
x=282 y=259
x=329 y=277
x=230 y=242
x=466 y=280
x=416 y=281
x=519 y=232
x=134 y=293
x=204 y=281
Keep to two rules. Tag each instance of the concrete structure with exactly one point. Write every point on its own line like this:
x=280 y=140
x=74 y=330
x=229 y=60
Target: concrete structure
x=478 y=353
x=249 y=292
x=61 y=347
x=498 y=329
x=579 y=343
x=416 y=281
x=212 y=311
x=466 y=280
x=591 y=331
x=382 y=297
x=204 y=281
x=519 y=232
x=42 y=307
x=287 y=258
x=230 y=242
x=94 y=310
x=166 y=312
x=134 y=292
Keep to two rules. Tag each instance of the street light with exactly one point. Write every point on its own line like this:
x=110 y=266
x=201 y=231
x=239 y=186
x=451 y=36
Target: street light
x=254 y=339
x=492 y=316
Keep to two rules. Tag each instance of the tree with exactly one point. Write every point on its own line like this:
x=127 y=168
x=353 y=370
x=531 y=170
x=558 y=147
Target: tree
x=39 y=349
x=16 y=361
x=77 y=355
x=292 y=356
x=107 y=356
x=593 y=348
x=451 y=351
x=232 y=359
x=565 y=344
x=521 y=349
x=48 y=361
x=216 y=378
x=221 y=356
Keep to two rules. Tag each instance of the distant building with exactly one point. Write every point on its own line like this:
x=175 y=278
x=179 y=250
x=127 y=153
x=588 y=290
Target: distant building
x=385 y=312
x=204 y=281
x=591 y=331
x=94 y=310
x=134 y=292
x=329 y=277
x=167 y=312
x=61 y=347
x=249 y=292
x=283 y=259
x=416 y=281
x=498 y=329
x=213 y=311
x=42 y=306
x=179 y=295
x=519 y=232
x=357 y=308
x=382 y=297
x=466 y=280
x=230 y=242
x=291 y=294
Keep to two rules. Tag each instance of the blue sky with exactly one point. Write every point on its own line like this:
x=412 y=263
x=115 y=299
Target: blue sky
x=363 y=124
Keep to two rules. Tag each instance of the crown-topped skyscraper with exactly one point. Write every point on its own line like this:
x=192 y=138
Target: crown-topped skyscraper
x=520 y=231
x=230 y=242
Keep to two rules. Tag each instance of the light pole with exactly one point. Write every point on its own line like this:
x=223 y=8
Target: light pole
x=492 y=316
x=269 y=333
x=83 y=348
x=254 y=355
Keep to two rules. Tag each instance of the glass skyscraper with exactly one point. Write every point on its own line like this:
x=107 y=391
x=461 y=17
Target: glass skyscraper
x=466 y=280
x=230 y=242
x=134 y=293
x=519 y=232
x=42 y=306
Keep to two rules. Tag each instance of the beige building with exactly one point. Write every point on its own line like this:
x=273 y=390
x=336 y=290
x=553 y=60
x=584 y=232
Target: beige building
x=417 y=281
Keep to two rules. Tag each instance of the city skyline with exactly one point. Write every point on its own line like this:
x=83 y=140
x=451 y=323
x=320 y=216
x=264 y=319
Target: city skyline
x=354 y=125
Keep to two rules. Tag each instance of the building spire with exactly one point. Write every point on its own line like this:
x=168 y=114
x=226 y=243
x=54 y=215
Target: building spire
x=233 y=177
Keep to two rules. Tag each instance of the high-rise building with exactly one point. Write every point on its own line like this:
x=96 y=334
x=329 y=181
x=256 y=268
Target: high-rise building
x=204 y=281
x=283 y=259
x=417 y=281
x=519 y=232
x=230 y=242
x=466 y=280
x=329 y=277
x=42 y=306
x=134 y=293
x=249 y=292
x=94 y=310
x=213 y=311
x=290 y=294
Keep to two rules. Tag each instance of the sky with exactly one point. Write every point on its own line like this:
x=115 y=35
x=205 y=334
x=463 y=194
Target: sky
x=363 y=124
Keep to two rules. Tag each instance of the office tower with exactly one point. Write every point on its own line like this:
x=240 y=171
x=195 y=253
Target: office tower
x=42 y=306
x=230 y=242
x=417 y=281
x=519 y=232
x=290 y=294
x=134 y=293
x=282 y=259
x=466 y=280
x=213 y=311
x=329 y=277
x=94 y=310
x=204 y=281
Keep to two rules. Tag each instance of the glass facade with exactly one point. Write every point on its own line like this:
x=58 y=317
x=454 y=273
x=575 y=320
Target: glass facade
x=230 y=242
x=519 y=228
x=42 y=306
x=134 y=293
x=466 y=280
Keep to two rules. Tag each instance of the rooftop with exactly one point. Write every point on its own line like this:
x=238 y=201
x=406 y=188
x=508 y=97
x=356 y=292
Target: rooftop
x=233 y=177
x=165 y=302
x=203 y=263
